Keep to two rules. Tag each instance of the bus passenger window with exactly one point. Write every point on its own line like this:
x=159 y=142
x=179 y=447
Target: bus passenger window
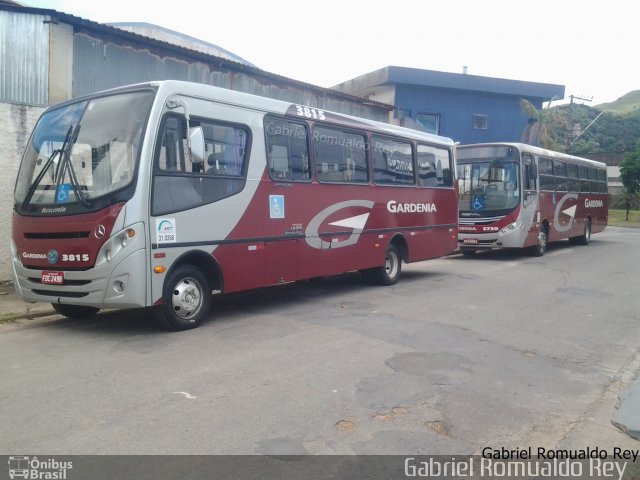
x=528 y=173
x=583 y=172
x=340 y=156
x=224 y=147
x=434 y=167
x=180 y=184
x=547 y=180
x=287 y=150
x=392 y=162
x=573 y=184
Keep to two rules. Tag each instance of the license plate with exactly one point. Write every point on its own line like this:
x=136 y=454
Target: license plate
x=470 y=240
x=52 y=278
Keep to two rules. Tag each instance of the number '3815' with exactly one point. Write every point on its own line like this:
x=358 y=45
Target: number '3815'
x=309 y=112
x=75 y=257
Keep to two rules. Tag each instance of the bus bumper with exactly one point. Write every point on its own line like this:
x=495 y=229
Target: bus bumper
x=104 y=286
x=511 y=236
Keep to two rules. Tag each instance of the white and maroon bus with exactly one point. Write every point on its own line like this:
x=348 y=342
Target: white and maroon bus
x=160 y=194
x=518 y=196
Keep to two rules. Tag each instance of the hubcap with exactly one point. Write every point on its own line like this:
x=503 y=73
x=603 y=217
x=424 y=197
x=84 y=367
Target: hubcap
x=542 y=241
x=391 y=264
x=187 y=297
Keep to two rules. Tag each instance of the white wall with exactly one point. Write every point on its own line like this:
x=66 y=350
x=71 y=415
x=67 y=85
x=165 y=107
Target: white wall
x=16 y=123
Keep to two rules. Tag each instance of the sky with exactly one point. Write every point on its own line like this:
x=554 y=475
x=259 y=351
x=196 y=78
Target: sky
x=589 y=47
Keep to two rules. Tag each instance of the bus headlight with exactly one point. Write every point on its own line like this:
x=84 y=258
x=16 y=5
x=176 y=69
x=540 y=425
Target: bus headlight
x=517 y=225
x=119 y=242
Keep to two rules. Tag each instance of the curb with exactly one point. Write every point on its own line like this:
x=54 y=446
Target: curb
x=10 y=316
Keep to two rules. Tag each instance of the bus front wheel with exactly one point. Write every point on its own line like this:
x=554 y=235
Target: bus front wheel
x=540 y=247
x=186 y=299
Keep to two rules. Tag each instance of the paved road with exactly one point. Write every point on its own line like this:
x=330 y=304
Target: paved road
x=463 y=353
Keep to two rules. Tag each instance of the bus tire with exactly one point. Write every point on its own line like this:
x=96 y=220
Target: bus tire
x=389 y=273
x=585 y=238
x=186 y=299
x=75 y=311
x=540 y=247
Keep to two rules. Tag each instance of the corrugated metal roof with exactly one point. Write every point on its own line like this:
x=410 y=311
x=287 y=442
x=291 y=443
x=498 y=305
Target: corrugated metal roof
x=159 y=47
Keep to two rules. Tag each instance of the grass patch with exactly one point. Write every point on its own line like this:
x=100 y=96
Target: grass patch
x=7 y=318
x=617 y=218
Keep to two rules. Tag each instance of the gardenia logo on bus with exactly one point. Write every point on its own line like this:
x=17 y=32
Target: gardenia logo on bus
x=593 y=203
x=395 y=207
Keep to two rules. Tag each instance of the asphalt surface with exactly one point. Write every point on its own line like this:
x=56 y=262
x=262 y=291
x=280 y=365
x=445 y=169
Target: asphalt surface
x=501 y=350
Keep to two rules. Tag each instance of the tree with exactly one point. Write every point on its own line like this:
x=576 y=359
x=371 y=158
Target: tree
x=541 y=123
x=630 y=177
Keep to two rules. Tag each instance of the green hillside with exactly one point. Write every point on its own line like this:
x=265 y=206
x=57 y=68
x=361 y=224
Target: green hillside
x=615 y=130
x=628 y=103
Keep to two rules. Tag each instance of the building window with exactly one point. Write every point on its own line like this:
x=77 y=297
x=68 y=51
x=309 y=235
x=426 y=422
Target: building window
x=430 y=122
x=480 y=121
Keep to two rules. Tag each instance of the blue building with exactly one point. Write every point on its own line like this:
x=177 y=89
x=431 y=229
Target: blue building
x=467 y=108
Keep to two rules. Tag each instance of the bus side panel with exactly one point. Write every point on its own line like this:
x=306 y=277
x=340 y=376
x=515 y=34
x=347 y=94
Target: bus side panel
x=437 y=240
x=566 y=213
x=242 y=264
x=308 y=230
x=559 y=210
x=597 y=207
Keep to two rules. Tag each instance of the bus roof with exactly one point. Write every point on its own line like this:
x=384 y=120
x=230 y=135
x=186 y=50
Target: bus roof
x=523 y=147
x=167 y=88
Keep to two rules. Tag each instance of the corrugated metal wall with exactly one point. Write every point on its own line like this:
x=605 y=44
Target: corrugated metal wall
x=99 y=64
x=24 y=58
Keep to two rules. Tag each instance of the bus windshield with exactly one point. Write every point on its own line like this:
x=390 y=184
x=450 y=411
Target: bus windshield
x=83 y=151
x=488 y=186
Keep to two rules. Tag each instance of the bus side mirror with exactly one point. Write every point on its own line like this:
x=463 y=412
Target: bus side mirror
x=196 y=144
x=533 y=172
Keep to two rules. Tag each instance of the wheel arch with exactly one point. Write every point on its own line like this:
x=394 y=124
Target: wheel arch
x=400 y=242
x=204 y=262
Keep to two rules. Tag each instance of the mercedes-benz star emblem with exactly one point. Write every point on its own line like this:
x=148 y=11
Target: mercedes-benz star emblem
x=100 y=231
x=52 y=256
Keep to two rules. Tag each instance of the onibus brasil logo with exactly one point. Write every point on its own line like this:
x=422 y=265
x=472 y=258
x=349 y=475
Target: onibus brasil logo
x=41 y=469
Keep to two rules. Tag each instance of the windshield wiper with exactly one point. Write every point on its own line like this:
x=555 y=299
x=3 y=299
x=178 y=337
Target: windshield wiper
x=47 y=165
x=67 y=165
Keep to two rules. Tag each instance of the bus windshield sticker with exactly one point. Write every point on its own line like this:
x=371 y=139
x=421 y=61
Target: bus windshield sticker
x=62 y=193
x=276 y=206
x=166 y=230
x=478 y=202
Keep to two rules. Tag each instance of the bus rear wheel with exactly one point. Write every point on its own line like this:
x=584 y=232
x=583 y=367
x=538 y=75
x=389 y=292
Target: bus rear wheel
x=389 y=273
x=186 y=299
x=75 y=311
x=585 y=238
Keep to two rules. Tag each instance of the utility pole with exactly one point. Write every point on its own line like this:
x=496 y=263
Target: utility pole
x=572 y=97
x=575 y=130
x=585 y=129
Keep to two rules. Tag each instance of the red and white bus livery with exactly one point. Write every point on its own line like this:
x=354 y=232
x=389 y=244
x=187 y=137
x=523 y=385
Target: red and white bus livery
x=519 y=196
x=159 y=194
